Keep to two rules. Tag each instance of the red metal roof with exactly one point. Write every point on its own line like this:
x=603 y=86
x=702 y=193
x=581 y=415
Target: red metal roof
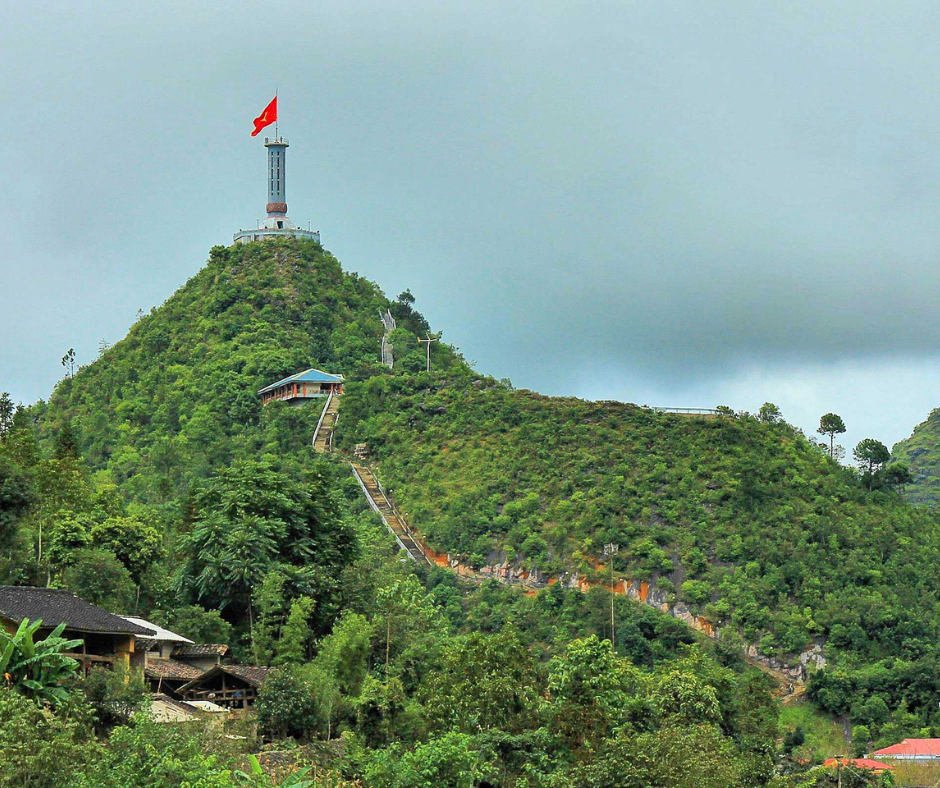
x=923 y=748
x=858 y=763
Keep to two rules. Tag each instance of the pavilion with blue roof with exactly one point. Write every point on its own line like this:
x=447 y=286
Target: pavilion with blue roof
x=298 y=388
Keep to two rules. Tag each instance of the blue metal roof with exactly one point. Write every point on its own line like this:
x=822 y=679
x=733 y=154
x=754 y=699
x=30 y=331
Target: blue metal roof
x=308 y=376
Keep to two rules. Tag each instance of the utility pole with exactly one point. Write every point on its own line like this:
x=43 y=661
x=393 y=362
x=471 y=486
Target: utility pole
x=610 y=550
x=429 y=340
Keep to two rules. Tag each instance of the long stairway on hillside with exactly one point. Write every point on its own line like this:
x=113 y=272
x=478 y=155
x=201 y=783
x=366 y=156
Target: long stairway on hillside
x=323 y=437
x=380 y=503
x=790 y=690
x=375 y=495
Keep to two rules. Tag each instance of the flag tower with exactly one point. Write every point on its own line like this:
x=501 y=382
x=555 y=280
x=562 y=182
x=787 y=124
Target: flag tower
x=277 y=224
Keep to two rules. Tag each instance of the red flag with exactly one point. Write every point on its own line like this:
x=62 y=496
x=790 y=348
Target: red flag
x=266 y=118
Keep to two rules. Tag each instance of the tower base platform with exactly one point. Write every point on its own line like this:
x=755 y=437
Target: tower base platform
x=266 y=233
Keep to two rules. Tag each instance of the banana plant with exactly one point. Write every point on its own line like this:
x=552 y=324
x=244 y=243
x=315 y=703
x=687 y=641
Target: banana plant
x=258 y=779
x=37 y=668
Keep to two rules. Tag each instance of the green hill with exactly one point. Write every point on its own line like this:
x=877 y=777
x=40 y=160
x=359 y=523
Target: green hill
x=745 y=521
x=176 y=399
x=749 y=522
x=921 y=453
x=157 y=461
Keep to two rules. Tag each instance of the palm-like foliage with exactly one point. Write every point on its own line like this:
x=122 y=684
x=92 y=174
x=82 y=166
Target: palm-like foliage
x=37 y=668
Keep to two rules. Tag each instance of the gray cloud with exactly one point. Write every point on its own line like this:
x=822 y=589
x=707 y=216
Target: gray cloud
x=608 y=199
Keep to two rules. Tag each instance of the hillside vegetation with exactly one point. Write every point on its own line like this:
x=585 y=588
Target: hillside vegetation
x=921 y=453
x=747 y=521
x=152 y=481
x=176 y=399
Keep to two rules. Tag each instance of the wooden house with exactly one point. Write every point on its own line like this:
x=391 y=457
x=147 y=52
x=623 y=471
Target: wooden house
x=107 y=639
x=163 y=673
x=302 y=387
x=166 y=676
x=231 y=686
x=204 y=656
x=161 y=644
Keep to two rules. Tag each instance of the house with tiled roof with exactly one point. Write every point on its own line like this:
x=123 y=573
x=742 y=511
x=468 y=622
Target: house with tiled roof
x=166 y=676
x=107 y=639
x=302 y=387
x=231 y=686
x=163 y=641
x=163 y=673
x=204 y=656
x=911 y=750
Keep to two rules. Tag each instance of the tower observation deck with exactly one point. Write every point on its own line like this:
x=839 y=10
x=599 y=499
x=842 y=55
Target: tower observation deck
x=277 y=224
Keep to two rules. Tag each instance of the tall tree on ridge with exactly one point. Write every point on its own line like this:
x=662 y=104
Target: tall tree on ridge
x=68 y=361
x=871 y=455
x=831 y=425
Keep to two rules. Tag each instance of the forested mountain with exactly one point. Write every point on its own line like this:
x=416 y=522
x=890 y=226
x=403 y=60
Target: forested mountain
x=153 y=481
x=921 y=453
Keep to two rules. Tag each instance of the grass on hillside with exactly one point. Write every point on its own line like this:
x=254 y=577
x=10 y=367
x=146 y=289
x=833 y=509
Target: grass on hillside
x=824 y=736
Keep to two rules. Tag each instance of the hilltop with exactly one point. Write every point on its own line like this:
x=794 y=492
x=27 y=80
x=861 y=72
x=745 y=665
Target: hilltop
x=176 y=398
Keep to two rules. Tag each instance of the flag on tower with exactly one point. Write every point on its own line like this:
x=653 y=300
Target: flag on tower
x=266 y=118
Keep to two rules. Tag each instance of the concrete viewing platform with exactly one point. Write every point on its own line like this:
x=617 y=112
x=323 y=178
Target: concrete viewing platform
x=265 y=233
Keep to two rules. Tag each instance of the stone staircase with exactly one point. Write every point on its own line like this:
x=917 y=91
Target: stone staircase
x=393 y=520
x=323 y=437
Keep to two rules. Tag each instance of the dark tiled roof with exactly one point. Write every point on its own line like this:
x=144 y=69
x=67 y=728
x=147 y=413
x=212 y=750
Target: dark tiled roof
x=57 y=606
x=171 y=669
x=248 y=673
x=201 y=650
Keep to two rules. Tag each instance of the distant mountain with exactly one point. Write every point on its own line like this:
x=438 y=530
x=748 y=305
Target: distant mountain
x=921 y=452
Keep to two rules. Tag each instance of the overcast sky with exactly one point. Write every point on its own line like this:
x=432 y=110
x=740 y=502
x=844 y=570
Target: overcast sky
x=668 y=203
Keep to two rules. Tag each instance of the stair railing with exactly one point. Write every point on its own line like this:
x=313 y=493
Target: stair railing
x=326 y=407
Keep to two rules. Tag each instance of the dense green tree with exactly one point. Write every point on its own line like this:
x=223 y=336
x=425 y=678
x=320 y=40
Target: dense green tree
x=7 y=410
x=831 y=424
x=484 y=681
x=590 y=692
x=33 y=738
x=769 y=413
x=871 y=455
x=154 y=755
x=286 y=704
x=114 y=696
x=97 y=576
x=251 y=517
x=451 y=760
x=198 y=624
x=135 y=544
x=344 y=653
x=296 y=641
x=15 y=497
x=898 y=475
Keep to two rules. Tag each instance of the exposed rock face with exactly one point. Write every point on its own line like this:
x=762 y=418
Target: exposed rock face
x=646 y=593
